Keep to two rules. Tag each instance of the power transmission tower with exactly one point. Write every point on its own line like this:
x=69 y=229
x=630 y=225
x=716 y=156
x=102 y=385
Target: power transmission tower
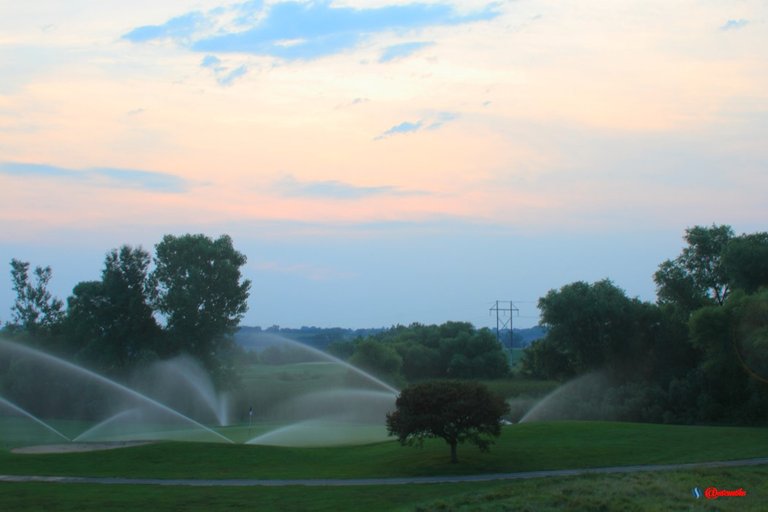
x=504 y=322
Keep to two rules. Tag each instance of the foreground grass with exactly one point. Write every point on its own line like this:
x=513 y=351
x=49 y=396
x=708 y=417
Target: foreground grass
x=660 y=491
x=629 y=492
x=525 y=447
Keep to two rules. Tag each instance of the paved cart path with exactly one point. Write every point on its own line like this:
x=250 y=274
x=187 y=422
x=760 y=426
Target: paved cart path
x=335 y=482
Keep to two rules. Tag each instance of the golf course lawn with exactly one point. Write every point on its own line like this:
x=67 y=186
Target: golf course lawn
x=524 y=447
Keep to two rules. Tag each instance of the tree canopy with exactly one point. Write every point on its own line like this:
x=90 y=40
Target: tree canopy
x=698 y=276
x=200 y=291
x=745 y=260
x=697 y=355
x=455 y=411
x=192 y=301
x=110 y=322
x=453 y=350
x=34 y=309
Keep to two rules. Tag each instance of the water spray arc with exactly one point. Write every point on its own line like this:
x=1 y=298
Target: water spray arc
x=349 y=413
x=333 y=359
x=21 y=349
x=313 y=401
x=31 y=416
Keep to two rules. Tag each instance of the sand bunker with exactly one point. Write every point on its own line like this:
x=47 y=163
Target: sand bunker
x=78 y=447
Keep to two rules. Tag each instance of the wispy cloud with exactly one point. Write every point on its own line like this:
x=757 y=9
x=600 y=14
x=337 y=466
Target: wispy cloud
x=229 y=77
x=38 y=170
x=430 y=123
x=224 y=75
x=100 y=176
x=147 y=180
x=404 y=127
x=356 y=101
x=734 y=24
x=332 y=189
x=400 y=51
x=300 y=30
x=440 y=119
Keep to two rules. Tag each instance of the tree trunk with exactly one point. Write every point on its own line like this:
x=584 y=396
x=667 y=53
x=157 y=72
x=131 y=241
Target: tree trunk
x=454 y=459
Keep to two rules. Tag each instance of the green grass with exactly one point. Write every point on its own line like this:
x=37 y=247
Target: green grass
x=628 y=492
x=526 y=447
x=662 y=491
x=294 y=371
x=80 y=498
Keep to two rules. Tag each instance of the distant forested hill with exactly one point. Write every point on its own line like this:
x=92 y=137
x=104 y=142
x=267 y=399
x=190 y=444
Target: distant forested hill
x=318 y=337
x=524 y=337
x=321 y=337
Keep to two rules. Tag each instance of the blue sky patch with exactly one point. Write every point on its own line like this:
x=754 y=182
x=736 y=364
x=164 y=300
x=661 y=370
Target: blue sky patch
x=228 y=78
x=304 y=31
x=180 y=27
x=211 y=61
x=404 y=127
x=224 y=75
x=145 y=180
x=441 y=119
x=400 y=51
x=37 y=170
x=430 y=123
x=734 y=24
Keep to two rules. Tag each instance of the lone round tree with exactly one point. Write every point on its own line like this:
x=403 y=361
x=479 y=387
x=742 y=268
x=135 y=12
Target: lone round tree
x=452 y=410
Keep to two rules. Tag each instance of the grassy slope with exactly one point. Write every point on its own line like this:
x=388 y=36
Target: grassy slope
x=634 y=492
x=630 y=492
x=525 y=447
x=522 y=447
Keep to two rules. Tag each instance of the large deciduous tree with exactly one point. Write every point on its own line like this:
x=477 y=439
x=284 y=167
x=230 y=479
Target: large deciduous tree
x=35 y=310
x=200 y=290
x=698 y=276
x=452 y=410
x=597 y=327
x=592 y=325
x=733 y=370
x=746 y=262
x=110 y=322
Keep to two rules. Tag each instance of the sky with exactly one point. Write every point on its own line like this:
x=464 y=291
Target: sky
x=382 y=162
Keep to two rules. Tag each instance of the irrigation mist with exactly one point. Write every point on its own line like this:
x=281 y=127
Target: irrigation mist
x=582 y=398
x=318 y=401
x=55 y=387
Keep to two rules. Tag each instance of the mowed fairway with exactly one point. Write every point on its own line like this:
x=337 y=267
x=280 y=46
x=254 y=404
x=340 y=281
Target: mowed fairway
x=526 y=447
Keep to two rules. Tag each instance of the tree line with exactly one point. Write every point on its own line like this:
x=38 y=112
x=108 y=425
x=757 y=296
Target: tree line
x=452 y=350
x=698 y=354
x=188 y=298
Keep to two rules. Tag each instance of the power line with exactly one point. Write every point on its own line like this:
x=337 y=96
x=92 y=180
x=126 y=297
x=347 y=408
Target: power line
x=504 y=322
